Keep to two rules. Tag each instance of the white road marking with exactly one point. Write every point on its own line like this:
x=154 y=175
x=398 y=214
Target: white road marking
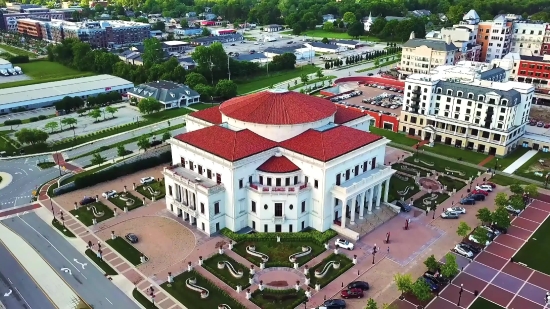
x=8 y=293
x=26 y=160
x=30 y=169
x=10 y=281
x=23 y=298
x=108 y=300
x=81 y=264
x=68 y=271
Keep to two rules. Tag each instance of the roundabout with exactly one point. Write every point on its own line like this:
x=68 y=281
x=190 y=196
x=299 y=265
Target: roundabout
x=429 y=184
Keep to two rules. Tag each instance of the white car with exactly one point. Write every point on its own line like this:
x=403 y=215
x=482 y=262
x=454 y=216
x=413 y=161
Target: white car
x=109 y=194
x=145 y=180
x=496 y=232
x=512 y=210
x=342 y=243
x=473 y=239
x=458 y=210
x=463 y=251
x=485 y=188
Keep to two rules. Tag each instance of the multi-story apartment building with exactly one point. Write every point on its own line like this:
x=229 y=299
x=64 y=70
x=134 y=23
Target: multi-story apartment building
x=545 y=46
x=30 y=27
x=495 y=37
x=527 y=37
x=534 y=70
x=8 y=21
x=471 y=105
x=463 y=37
x=422 y=55
x=107 y=33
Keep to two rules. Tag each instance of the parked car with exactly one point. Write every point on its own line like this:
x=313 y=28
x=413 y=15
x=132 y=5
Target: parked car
x=370 y=74
x=459 y=210
x=488 y=242
x=470 y=247
x=359 y=285
x=480 y=192
x=502 y=230
x=463 y=251
x=109 y=194
x=404 y=206
x=490 y=229
x=490 y=184
x=467 y=201
x=477 y=197
x=342 y=243
x=352 y=293
x=131 y=237
x=512 y=210
x=146 y=180
x=334 y=304
x=485 y=188
x=449 y=215
x=435 y=277
x=87 y=200
x=433 y=285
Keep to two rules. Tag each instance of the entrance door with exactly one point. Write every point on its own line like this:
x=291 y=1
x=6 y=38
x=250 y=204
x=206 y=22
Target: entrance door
x=217 y=226
x=427 y=136
x=535 y=146
x=254 y=225
x=411 y=132
x=278 y=228
x=180 y=213
x=492 y=151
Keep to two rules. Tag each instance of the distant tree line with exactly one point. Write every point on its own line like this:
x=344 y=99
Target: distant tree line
x=69 y=104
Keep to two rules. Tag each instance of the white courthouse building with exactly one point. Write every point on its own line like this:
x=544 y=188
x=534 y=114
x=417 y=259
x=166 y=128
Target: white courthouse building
x=276 y=161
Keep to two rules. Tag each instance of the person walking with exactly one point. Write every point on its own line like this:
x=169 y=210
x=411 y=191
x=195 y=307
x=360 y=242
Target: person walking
x=388 y=250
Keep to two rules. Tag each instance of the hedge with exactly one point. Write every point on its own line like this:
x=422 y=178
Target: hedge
x=33 y=119
x=42 y=117
x=122 y=170
x=270 y=298
x=12 y=122
x=19 y=59
x=319 y=237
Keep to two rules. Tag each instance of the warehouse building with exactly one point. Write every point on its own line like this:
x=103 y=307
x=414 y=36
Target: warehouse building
x=46 y=94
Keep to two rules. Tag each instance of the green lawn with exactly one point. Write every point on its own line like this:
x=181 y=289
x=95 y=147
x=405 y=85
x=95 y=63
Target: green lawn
x=211 y=264
x=201 y=106
x=456 y=153
x=397 y=184
x=529 y=168
x=278 y=299
x=482 y=303
x=536 y=251
x=45 y=165
x=319 y=33
x=504 y=162
x=506 y=181
x=17 y=51
x=345 y=264
x=408 y=169
x=451 y=183
x=122 y=198
x=42 y=71
x=102 y=264
x=314 y=82
x=28 y=120
x=125 y=249
x=144 y=301
x=5 y=145
x=278 y=252
x=395 y=137
x=260 y=82
x=443 y=166
x=192 y=299
x=86 y=216
x=155 y=186
x=418 y=203
x=60 y=227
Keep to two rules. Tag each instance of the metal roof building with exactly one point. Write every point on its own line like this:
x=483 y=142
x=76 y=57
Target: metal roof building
x=45 y=94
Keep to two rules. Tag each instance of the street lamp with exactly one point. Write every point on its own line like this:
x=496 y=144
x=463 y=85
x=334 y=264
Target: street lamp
x=373 y=255
x=496 y=166
x=460 y=294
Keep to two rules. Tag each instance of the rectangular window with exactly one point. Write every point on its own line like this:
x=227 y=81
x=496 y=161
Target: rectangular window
x=241 y=183
x=278 y=182
x=191 y=166
x=261 y=180
x=216 y=208
x=182 y=161
x=200 y=169
x=209 y=174
x=249 y=179
x=202 y=208
x=315 y=183
x=170 y=190
x=287 y=181
x=290 y=228
x=356 y=170
x=265 y=228
x=306 y=180
x=295 y=180
x=269 y=181
x=365 y=166
x=278 y=209
x=253 y=206
x=303 y=206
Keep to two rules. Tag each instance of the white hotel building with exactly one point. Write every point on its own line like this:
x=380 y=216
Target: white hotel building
x=276 y=161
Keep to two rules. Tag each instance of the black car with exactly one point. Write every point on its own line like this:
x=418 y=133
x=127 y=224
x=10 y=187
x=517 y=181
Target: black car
x=502 y=230
x=468 y=201
x=404 y=206
x=359 y=285
x=477 y=197
x=470 y=247
x=334 y=304
x=131 y=237
x=370 y=74
x=87 y=200
x=435 y=278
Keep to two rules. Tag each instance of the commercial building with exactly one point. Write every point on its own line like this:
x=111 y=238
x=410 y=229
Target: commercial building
x=296 y=161
x=45 y=94
x=187 y=31
x=170 y=94
x=218 y=32
x=463 y=36
x=495 y=37
x=29 y=27
x=9 y=21
x=325 y=48
x=423 y=55
x=175 y=46
x=301 y=52
x=222 y=39
x=471 y=105
x=545 y=46
x=527 y=37
x=534 y=70
x=273 y=28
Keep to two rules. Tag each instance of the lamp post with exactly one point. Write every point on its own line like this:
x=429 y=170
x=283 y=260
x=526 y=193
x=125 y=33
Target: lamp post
x=373 y=255
x=496 y=165
x=433 y=215
x=460 y=294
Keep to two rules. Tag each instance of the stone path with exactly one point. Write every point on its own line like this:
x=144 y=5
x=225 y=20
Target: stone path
x=59 y=160
x=486 y=160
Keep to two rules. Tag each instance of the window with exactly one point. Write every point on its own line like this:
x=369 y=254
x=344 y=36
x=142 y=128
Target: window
x=459 y=93
x=202 y=208
x=278 y=182
x=481 y=98
x=249 y=179
x=182 y=159
x=365 y=166
x=170 y=190
x=287 y=181
x=269 y=181
x=449 y=92
x=295 y=180
x=253 y=206
x=191 y=166
x=208 y=173
x=315 y=183
x=200 y=169
x=241 y=181
x=303 y=206
x=203 y=228
x=278 y=209
x=261 y=180
x=216 y=208
x=306 y=180
x=265 y=228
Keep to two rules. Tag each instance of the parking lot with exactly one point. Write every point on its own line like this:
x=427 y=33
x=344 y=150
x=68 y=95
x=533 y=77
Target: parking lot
x=383 y=100
x=13 y=78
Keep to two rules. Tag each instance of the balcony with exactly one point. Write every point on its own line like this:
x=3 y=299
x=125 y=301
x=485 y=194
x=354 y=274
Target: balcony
x=191 y=210
x=295 y=189
x=278 y=219
x=362 y=182
x=192 y=180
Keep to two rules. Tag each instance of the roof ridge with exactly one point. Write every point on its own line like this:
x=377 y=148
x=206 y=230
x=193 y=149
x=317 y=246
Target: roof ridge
x=234 y=144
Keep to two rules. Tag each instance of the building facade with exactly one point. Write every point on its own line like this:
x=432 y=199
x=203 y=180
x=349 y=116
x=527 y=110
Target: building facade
x=527 y=37
x=170 y=94
x=297 y=161
x=471 y=105
x=545 y=46
x=423 y=55
x=534 y=70
x=9 y=21
x=29 y=27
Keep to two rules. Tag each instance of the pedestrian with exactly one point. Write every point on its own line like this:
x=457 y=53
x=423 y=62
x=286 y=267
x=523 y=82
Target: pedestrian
x=388 y=249
x=375 y=248
x=426 y=211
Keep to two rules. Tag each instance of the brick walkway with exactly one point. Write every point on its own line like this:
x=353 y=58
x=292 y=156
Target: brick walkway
x=486 y=160
x=59 y=160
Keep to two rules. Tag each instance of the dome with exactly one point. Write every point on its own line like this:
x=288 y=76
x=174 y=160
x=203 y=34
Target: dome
x=278 y=107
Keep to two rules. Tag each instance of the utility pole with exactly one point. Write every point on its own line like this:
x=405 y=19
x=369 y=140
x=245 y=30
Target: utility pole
x=228 y=69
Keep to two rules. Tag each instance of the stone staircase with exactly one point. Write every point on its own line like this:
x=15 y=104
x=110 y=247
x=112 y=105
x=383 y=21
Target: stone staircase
x=372 y=221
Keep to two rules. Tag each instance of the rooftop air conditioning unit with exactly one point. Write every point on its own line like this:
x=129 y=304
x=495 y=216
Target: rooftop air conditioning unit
x=197 y=179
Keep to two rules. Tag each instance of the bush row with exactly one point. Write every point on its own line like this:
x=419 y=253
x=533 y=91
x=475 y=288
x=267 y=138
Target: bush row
x=269 y=297
x=12 y=122
x=122 y=170
x=318 y=237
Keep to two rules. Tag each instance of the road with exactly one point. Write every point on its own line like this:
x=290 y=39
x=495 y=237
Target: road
x=88 y=281
x=25 y=294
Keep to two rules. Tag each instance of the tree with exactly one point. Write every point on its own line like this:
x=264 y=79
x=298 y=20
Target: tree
x=501 y=199
x=480 y=235
x=97 y=159
x=111 y=110
x=325 y=41
x=501 y=218
x=304 y=78
x=159 y=25
x=356 y=29
x=193 y=79
x=349 y=18
x=52 y=126
x=517 y=202
x=371 y=304
x=206 y=91
x=516 y=189
x=226 y=89
x=376 y=62
x=143 y=143
x=455 y=13
x=319 y=73
x=31 y=136
x=421 y=290
x=69 y=122
x=450 y=268
x=328 y=26
x=484 y=215
x=166 y=136
x=403 y=282
x=149 y=105
x=431 y=263
x=297 y=29
x=152 y=52
x=532 y=190
x=463 y=229
x=206 y=32
x=95 y=113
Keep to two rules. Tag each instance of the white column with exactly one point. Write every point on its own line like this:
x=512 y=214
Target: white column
x=353 y=203
x=344 y=210
x=335 y=204
x=371 y=193
x=386 y=190
x=361 y=204
x=379 y=195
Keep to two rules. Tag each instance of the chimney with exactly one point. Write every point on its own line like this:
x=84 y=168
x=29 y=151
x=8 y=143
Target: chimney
x=412 y=35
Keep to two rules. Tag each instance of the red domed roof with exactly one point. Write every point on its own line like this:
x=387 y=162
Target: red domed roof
x=278 y=164
x=278 y=107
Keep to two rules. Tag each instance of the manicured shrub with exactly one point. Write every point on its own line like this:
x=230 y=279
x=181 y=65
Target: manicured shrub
x=12 y=122
x=316 y=236
x=33 y=119
x=42 y=117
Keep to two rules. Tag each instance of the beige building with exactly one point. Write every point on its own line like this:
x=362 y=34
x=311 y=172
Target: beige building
x=471 y=105
x=423 y=55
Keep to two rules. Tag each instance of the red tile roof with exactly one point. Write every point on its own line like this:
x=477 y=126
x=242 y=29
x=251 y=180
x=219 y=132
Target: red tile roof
x=278 y=108
x=329 y=144
x=227 y=144
x=211 y=115
x=344 y=114
x=278 y=165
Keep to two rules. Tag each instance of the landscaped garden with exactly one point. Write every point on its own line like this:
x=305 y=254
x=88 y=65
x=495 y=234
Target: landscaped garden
x=231 y=272
x=410 y=169
x=204 y=295
x=153 y=189
x=97 y=210
x=451 y=183
x=126 y=199
x=443 y=166
x=535 y=253
x=329 y=269
x=398 y=138
x=45 y=165
x=60 y=227
x=278 y=299
x=126 y=249
x=101 y=263
x=402 y=187
x=431 y=200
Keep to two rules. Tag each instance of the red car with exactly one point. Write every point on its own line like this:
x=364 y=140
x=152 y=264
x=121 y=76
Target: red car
x=352 y=293
x=480 y=192
x=490 y=184
x=546 y=126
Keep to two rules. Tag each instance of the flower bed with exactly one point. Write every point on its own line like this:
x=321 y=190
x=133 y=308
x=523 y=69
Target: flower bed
x=155 y=186
x=278 y=252
x=398 y=185
x=319 y=238
x=278 y=299
x=332 y=273
x=211 y=264
x=126 y=249
x=440 y=198
x=451 y=183
x=120 y=203
x=85 y=213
